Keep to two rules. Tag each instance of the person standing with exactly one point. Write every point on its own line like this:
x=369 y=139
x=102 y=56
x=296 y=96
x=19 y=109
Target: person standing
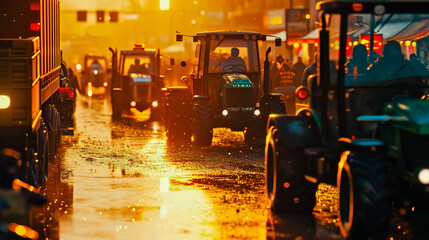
x=282 y=74
x=310 y=70
x=298 y=69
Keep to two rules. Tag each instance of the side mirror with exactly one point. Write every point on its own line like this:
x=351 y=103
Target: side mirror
x=172 y=61
x=179 y=38
x=278 y=42
x=184 y=80
x=183 y=63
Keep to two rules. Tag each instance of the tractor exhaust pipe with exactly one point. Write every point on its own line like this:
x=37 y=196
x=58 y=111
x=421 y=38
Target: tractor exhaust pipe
x=267 y=73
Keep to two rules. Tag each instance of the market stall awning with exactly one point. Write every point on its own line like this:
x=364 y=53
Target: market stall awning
x=310 y=37
x=281 y=35
x=399 y=31
x=414 y=31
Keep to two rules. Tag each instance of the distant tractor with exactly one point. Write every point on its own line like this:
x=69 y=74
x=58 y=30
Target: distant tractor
x=224 y=91
x=136 y=81
x=365 y=130
x=95 y=79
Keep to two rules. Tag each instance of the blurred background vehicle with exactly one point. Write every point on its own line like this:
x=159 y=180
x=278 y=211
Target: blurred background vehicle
x=95 y=76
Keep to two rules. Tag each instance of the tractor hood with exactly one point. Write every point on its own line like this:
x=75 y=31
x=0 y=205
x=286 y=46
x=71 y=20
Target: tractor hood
x=414 y=114
x=141 y=78
x=235 y=80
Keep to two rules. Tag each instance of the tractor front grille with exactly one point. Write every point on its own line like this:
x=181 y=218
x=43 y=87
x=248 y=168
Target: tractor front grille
x=239 y=97
x=142 y=91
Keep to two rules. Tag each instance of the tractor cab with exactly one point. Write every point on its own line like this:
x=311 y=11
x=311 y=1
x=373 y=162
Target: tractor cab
x=226 y=89
x=229 y=70
x=366 y=128
x=138 y=81
x=95 y=78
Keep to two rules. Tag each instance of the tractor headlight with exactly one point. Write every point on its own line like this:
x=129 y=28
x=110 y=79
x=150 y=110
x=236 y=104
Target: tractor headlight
x=89 y=93
x=133 y=104
x=154 y=104
x=424 y=176
x=105 y=84
x=225 y=113
x=4 y=101
x=257 y=112
x=95 y=72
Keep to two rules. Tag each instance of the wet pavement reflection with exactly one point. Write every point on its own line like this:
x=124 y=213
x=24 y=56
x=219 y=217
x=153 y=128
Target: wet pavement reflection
x=126 y=182
x=121 y=180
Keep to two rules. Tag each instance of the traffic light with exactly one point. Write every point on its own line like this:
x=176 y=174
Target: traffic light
x=114 y=16
x=82 y=16
x=100 y=16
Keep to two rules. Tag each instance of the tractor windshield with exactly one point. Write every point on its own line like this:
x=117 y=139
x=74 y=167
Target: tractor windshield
x=233 y=55
x=386 y=59
x=393 y=51
x=142 y=64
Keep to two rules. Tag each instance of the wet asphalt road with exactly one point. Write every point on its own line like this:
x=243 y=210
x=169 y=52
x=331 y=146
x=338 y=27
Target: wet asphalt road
x=122 y=180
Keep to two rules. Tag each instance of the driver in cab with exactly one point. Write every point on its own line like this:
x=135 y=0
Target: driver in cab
x=234 y=63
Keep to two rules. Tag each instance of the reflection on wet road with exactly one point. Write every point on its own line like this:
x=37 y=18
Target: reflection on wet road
x=121 y=180
x=129 y=184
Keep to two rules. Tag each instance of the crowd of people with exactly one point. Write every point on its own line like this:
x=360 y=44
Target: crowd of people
x=361 y=67
x=283 y=73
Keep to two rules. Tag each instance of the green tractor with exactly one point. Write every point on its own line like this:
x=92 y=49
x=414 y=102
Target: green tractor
x=224 y=91
x=366 y=127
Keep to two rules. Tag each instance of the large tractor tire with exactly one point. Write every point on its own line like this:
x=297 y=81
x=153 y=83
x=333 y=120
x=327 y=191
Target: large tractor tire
x=288 y=190
x=178 y=114
x=203 y=123
x=253 y=133
x=364 y=182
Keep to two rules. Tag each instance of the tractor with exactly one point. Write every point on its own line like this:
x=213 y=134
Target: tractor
x=136 y=81
x=225 y=89
x=366 y=126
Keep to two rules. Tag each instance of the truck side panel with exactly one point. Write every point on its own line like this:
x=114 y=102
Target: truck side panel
x=19 y=80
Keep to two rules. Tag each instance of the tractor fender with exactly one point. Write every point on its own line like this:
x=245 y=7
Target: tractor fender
x=362 y=142
x=309 y=112
x=295 y=131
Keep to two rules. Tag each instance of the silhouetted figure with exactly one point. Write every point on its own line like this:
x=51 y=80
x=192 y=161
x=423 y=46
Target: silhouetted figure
x=298 y=69
x=357 y=67
x=372 y=58
x=417 y=64
x=234 y=63
x=96 y=65
x=73 y=80
x=136 y=67
x=392 y=65
x=281 y=73
x=310 y=70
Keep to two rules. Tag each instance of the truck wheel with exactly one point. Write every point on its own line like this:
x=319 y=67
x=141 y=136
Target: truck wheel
x=44 y=160
x=32 y=168
x=364 y=182
x=203 y=124
x=288 y=190
x=178 y=109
